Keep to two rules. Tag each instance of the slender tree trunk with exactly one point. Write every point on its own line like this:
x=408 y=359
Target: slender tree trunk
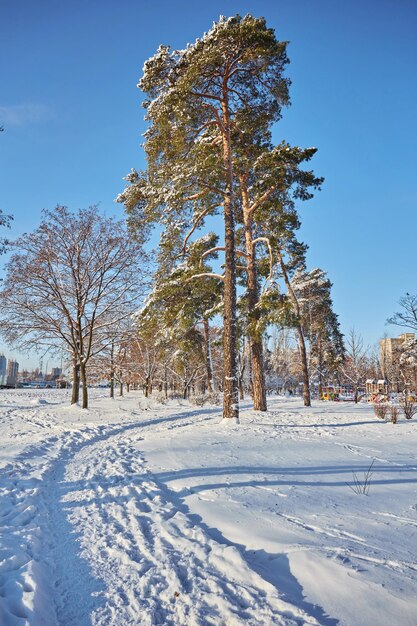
x=230 y=383
x=320 y=364
x=249 y=349
x=207 y=349
x=84 y=383
x=241 y=390
x=300 y=332
x=75 y=396
x=112 y=370
x=120 y=388
x=166 y=380
x=259 y=390
x=304 y=366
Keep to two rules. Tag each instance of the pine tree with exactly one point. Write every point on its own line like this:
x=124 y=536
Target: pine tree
x=195 y=98
x=270 y=179
x=180 y=302
x=320 y=323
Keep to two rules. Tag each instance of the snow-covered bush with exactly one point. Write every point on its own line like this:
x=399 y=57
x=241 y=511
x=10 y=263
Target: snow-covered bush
x=408 y=406
x=161 y=398
x=393 y=413
x=381 y=409
x=208 y=398
x=197 y=400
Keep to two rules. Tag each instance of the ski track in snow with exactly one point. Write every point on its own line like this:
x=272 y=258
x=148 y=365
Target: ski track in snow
x=94 y=540
x=92 y=537
x=161 y=566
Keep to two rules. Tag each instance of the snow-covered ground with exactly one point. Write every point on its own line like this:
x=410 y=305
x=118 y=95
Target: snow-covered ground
x=134 y=513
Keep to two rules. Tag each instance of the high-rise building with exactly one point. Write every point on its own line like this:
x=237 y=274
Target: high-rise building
x=56 y=372
x=390 y=349
x=3 y=362
x=12 y=370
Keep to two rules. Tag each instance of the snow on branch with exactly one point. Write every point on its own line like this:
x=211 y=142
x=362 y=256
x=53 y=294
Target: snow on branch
x=196 y=222
x=268 y=244
x=208 y=274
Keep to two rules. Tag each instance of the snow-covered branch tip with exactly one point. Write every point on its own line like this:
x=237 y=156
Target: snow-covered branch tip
x=207 y=274
x=271 y=260
x=194 y=226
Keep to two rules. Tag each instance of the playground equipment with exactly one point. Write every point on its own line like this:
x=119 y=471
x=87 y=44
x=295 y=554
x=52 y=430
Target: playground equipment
x=330 y=393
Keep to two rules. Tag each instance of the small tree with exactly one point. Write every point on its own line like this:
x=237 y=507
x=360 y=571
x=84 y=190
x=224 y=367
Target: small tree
x=69 y=283
x=356 y=363
x=320 y=323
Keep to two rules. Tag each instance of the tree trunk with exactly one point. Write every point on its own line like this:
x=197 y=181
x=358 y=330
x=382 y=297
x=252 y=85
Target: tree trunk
x=300 y=332
x=230 y=383
x=121 y=389
x=250 y=373
x=207 y=350
x=259 y=391
x=356 y=396
x=304 y=366
x=241 y=390
x=165 y=381
x=84 y=382
x=320 y=365
x=112 y=370
x=75 y=396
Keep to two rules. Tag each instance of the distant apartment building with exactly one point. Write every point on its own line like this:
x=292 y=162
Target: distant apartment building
x=12 y=371
x=3 y=362
x=390 y=346
x=56 y=372
x=390 y=351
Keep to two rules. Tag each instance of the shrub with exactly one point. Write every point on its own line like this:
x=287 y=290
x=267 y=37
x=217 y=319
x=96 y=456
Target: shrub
x=408 y=406
x=197 y=400
x=394 y=413
x=208 y=398
x=362 y=486
x=161 y=398
x=381 y=410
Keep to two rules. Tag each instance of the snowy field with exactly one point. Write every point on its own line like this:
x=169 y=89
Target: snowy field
x=134 y=513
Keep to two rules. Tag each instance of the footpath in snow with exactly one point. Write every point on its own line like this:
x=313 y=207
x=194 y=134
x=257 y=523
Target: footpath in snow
x=134 y=513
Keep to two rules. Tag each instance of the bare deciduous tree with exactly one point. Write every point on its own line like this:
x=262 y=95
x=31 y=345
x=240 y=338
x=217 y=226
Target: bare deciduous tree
x=68 y=284
x=407 y=317
x=356 y=363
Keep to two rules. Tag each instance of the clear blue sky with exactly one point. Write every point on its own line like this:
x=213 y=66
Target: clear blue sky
x=69 y=102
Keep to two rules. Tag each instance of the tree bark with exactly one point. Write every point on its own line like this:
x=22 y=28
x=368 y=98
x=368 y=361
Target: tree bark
x=112 y=370
x=84 y=382
x=75 y=396
x=257 y=357
x=207 y=350
x=300 y=332
x=230 y=383
x=304 y=366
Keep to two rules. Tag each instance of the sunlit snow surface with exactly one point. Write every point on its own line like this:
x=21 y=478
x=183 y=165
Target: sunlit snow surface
x=134 y=513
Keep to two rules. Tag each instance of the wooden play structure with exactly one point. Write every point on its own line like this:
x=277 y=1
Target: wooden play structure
x=330 y=393
x=376 y=390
